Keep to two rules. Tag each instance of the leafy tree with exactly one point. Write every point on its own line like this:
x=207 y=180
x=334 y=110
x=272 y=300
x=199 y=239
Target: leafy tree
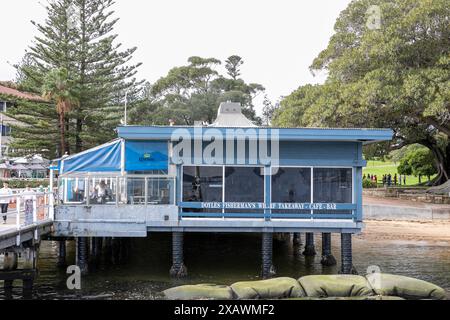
x=193 y=93
x=396 y=76
x=419 y=162
x=422 y=163
x=233 y=64
x=269 y=108
x=78 y=36
x=377 y=151
x=59 y=87
x=404 y=167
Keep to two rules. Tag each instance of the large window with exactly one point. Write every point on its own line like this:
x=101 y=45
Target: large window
x=244 y=184
x=291 y=185
x=202 y=184
x=160 y=191
x=240 y=187
x=332 y=185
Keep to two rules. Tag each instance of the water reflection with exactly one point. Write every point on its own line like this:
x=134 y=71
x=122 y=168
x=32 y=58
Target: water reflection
x=224 y=259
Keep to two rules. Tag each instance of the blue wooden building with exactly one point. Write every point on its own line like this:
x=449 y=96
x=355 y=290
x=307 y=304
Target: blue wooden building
x=230 y=176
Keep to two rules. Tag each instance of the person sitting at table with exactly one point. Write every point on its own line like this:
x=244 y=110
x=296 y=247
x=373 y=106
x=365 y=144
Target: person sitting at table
x=102 y=192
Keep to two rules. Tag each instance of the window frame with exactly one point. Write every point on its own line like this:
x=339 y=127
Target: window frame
x=312 y=168
x=223 y=178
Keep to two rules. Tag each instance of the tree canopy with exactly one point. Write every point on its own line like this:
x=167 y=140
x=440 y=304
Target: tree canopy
x=78 y=36
x=395 y=76
x=193 y=93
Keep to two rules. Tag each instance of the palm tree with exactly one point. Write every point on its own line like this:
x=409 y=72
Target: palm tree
x=60 y=88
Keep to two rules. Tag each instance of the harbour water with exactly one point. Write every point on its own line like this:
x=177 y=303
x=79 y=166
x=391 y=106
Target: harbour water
x=224 y=259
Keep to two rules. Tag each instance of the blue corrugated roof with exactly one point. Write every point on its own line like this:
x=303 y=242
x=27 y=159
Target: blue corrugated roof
x=285 y=134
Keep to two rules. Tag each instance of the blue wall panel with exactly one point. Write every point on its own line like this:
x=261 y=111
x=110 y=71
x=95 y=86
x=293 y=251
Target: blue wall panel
x=146 y=155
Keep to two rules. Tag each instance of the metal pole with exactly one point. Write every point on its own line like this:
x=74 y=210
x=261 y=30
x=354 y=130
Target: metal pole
x=1 y=135
x=126 y=107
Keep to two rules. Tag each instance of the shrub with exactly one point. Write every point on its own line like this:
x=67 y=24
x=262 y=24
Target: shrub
x=368 y=184
x=21 y=184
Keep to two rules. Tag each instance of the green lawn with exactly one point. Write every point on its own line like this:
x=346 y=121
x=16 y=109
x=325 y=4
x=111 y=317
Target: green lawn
x=380 y=168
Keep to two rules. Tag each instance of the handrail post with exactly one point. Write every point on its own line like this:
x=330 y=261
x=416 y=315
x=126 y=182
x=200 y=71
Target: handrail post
x=267 y=193
x=117 y=191
x=87 y=191
x=18 y=213
x=34 y=209
x=51 y=206
x=146 y=190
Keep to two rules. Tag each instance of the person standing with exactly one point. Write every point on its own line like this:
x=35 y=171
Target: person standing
x=5 y=194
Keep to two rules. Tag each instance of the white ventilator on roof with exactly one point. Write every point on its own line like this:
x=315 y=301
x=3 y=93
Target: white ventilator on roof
x=230 y=115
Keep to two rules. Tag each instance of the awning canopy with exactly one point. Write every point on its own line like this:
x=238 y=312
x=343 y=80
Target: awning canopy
x=117 y=156
x=104 y=158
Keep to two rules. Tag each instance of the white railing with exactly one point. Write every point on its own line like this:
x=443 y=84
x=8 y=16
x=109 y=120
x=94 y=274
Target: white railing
x=27 y=208
x=119 y=190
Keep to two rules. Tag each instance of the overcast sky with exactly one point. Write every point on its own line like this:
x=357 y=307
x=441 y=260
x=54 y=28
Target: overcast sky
x=278 y=39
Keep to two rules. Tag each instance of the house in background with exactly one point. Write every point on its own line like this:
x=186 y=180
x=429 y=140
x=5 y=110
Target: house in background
x=8 y=96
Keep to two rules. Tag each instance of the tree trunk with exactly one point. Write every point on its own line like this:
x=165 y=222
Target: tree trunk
x=78 y=141
x=442 y=159
x=62 y=132
x=67 y=132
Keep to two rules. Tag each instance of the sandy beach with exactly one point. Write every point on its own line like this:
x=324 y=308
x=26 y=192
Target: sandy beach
x=406 y=230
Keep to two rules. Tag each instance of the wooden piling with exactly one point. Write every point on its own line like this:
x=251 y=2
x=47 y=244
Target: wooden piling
x=82 y=254
x=327 y=257
x=267 y=269
x=178 y=269
x=346 y=254
x=310 y=249
x=62 y=252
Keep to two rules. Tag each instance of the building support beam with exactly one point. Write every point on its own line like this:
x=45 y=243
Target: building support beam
x=178 y=269
x=62 y=252
x=30 y=256
x=310 y=249
x=297 y=240
x=268 y=270
x=82 y=254
x=346 y=254
x=10 y=263
x=328 y=259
